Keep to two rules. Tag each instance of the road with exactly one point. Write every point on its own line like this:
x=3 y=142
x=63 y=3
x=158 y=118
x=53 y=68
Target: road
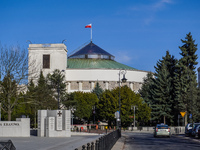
x=146 y=141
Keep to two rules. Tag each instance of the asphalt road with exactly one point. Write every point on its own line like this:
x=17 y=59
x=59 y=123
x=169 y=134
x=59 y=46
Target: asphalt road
x=146 y=141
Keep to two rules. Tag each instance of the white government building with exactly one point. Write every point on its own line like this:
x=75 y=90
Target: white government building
x=84 y=68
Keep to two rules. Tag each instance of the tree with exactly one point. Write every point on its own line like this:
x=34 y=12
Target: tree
x=84 y=103
x=97 y=90
x=44 y=98
x=109 y=104
x=56 y=82
x=187 y=86
x=158 y=91
x=13 y=76
x=145 y=89
x=162 y=96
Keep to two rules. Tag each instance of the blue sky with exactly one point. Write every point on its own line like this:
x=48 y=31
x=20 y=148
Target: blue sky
x=136 y=32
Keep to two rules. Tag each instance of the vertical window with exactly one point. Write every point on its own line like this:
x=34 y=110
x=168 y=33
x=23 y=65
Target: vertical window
x=46 y=61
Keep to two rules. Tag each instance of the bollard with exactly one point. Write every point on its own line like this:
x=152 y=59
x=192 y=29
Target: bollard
x=105 y=142
x=100 y=143
x=92 y=146
x=88 y=146
x=97 y=145
x=83 y=147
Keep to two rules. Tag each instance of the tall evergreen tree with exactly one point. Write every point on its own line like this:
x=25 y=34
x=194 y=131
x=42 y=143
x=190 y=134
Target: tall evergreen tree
x=187 y=86
x=44 y=95
x=56 y=83
x=97 y=90
x=170 y=63
x=161 y=94
x=145 y=89
x=162 y=104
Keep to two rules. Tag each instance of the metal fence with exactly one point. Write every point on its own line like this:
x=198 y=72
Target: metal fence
x=105 y=142
x=7 y=145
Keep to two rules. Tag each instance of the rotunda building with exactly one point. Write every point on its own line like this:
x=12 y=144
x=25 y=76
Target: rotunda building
x=84 y=68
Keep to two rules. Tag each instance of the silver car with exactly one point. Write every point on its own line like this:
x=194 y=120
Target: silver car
x=162 y=130
x=195 y=129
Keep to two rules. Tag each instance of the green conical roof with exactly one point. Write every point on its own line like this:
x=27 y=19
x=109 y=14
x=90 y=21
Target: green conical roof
x=96 y=64
x=92 y=56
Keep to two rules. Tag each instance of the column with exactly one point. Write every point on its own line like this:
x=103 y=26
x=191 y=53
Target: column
x=131 y=85
x=68 y=87
x=106 y=84
x=80 y=86
x=92 y=85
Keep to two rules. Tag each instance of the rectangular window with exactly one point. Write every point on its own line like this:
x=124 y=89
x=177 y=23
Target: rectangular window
x=46 y=61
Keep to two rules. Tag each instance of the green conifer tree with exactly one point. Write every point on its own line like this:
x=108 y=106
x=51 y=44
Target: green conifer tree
x=97 y=90
x=186 y=86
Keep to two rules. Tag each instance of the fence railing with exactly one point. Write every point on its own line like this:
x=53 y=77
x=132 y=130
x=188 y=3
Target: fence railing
x=174 y=129
x=7 y=145
x=106 y=142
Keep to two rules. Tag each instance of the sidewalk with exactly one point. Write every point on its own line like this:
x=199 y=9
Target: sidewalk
x=119 y=145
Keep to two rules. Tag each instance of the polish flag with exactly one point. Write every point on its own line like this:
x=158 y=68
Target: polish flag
x=88 y=26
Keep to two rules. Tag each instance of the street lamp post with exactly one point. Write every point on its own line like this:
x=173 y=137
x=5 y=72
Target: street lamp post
x=73 y=109
x=134 y=116
x=123 y=72
x=93 y=107
x=133 y=107
x=0 y=111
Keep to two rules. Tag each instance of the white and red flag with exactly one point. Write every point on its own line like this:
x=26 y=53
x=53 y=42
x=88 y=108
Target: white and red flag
x=88 y=26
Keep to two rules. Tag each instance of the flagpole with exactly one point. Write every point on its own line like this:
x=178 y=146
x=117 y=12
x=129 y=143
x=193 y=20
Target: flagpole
x=91 y=33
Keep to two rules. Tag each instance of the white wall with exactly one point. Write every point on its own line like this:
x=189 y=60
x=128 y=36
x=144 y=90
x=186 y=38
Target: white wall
x=58 y=58
x=103 y=75
x=18 y=128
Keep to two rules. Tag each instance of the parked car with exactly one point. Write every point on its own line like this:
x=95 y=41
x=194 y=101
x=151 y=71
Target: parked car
x=195 y=129
x=188 y=129
x=162 y=130
x=199 y=133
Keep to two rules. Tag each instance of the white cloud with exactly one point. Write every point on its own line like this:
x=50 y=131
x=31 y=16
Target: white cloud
x=159 y=5
x=150 y=10
x=123 y=57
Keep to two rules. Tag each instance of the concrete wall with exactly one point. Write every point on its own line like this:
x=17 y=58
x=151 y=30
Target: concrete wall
x=18 y=128
x=174 y=130
x=54 y=123
x=85 y=79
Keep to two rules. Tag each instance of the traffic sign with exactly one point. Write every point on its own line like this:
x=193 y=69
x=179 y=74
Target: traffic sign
x=190 y=116
x=182 y=114
x=117 y=114
x=131 y=116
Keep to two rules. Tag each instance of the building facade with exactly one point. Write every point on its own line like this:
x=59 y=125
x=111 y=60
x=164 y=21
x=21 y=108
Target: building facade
x=84 y=68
